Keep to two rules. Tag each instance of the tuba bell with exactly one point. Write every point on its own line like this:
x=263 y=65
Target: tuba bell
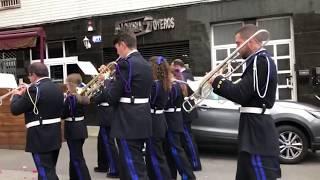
x=95 y=84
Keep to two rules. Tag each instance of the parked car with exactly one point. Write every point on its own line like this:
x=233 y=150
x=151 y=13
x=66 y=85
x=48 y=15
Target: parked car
x=298 y=125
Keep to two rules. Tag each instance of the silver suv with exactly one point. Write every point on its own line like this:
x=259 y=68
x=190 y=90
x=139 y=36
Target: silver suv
x=298 y=125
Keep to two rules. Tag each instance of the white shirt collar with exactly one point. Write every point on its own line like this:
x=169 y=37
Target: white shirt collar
x=132 y=51
x=41 y=79
x=182 y=69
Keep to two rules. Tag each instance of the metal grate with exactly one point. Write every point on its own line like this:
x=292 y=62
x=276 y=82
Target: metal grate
x=170 y=51
x=8 y=62
x=5 y=4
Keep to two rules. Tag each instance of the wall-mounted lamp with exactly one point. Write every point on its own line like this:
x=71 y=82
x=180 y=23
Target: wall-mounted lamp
x=86 y=42
x=90 y=26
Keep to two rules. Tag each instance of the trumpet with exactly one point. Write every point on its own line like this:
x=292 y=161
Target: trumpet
x=205 y=88
x=12 y=91
x=94 y=85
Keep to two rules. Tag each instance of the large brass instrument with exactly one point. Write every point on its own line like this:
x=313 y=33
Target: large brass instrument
x=95 y=84
x=205 y=87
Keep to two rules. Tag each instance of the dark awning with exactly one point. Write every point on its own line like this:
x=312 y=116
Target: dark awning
x=22 y=38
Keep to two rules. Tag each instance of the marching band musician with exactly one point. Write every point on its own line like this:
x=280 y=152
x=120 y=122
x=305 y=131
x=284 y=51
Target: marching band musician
x=258 y=137
x=107 y=152
x=41 y=104
x=155 y=158
x=188 y=141
x=129 y=94
x=177 y=159
x=75 y=129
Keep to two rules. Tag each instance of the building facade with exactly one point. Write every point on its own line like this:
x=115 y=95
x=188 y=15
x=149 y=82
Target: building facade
x=199 y=32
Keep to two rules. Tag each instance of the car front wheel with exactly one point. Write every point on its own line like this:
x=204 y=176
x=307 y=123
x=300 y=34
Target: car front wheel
x=293 y=144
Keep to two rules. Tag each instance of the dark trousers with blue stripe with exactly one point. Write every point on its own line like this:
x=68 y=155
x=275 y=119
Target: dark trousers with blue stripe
x=78 y=169
x=46 y=164
x=257 y=167
x=102 y=158
x=108 y=151
x=176 y=156
x=132 y=165
x=156 y=161
x=191 y=147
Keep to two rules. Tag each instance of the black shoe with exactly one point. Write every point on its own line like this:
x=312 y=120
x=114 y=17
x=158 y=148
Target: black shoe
x=98 y=169
x=112 y=175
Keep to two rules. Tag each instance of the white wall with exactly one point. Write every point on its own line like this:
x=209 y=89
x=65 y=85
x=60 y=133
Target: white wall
x=34 y=12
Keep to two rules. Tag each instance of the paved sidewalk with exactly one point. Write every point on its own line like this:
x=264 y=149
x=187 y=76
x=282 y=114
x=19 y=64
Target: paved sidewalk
x=18 y=165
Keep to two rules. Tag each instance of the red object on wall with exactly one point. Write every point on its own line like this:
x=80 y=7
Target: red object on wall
x=23 y=38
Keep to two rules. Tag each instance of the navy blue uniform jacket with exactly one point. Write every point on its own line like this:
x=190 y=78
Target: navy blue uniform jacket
x=133 y=79
x=257 y=133
x=42 y=138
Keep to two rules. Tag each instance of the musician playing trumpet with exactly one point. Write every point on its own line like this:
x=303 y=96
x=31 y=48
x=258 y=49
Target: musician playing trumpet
x=106 y=149
x=258 y=137
x=41 y=104
x=75 y=129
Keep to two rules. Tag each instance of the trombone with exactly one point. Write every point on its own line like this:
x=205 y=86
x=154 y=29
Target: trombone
x=205 y=88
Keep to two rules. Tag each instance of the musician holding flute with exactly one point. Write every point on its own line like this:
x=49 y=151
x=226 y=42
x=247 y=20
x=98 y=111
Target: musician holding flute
x=41 y=104
x=258 y=137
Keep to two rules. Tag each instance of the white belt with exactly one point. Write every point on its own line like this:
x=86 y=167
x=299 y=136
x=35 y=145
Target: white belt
x=173 y=110
x=254 y=110
x=104 y=104
x=135 y=100
x=44 y=121
x=158 y=111
x=75 y=119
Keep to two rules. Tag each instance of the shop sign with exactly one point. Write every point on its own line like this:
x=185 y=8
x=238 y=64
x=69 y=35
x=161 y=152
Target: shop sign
x=96 y=39
x=144 y=25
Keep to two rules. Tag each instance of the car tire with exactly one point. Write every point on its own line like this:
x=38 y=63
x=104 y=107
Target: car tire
x=293 y=144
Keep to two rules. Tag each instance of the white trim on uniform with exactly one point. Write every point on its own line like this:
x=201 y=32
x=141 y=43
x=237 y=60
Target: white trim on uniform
x=104 y=104
x=157 y=111
x=135 y=100
x=173 y=110
x=253 y=110
x=44 y=121
x=81 y=118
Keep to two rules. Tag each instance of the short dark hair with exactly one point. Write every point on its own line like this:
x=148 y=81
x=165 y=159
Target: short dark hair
x=128 y=37
x=178 y=62
x=38 y=69
x=247 y=31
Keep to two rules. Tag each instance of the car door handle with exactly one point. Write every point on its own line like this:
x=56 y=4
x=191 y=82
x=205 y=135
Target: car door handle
x=203 y=107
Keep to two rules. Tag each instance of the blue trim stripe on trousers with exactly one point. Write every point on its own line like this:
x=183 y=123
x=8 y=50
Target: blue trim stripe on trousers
x=175 y=156
x=258 y=168
x=112 y=165
x=154 y=160
x=128 y=159
x=191 y=147
x=40 y=168
x=75 y=162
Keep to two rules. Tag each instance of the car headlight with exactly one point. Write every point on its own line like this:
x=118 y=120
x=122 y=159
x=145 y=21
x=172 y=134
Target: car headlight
x=316 y=114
